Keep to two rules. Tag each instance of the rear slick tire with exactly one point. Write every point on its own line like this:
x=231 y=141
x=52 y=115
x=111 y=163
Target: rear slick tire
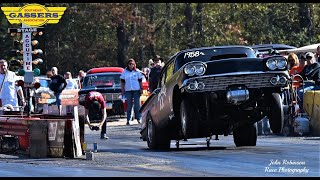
x=245 y=135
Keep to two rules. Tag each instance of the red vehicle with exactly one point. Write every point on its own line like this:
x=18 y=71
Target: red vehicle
x=105 y=80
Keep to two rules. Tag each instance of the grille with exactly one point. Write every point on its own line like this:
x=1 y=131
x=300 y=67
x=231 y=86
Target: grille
x=111 y=96
x=250 y=81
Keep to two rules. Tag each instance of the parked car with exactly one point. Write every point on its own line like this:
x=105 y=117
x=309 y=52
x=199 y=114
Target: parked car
x=214 y=91
x=105 y=80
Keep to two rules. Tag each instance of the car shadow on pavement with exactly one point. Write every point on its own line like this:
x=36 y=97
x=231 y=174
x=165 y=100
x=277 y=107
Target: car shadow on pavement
x=181 y=148
x=197 y=148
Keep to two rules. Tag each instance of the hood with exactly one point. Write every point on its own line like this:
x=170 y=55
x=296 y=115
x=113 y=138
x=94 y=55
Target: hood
x=100 y=89
x=235 y=65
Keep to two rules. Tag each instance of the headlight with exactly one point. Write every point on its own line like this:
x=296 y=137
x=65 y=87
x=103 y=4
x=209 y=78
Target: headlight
x=281 y=63
x=271 y=64
x=189 y=70
x=276 y=62
x=193 y=68
x=200 y=69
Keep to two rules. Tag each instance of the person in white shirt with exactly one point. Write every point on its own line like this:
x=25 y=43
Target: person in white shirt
x=131 y=87
x=71 y=83
x=8 y=87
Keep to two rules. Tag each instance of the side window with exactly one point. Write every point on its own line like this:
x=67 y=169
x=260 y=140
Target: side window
x=169 y=71
x=163 y=78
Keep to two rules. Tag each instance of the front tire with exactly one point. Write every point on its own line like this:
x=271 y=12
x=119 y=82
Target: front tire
x=155 y=138
x=151 y=134
x=187 y=119
x=277 y=115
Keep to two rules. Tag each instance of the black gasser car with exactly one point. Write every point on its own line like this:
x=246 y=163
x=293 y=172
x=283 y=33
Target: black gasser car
x=214 y=91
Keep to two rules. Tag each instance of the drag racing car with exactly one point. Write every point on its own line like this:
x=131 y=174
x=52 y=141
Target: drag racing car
x=212 y=91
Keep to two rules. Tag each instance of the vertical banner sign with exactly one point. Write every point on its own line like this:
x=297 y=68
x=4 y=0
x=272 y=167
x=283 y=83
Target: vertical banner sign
x=27 y=50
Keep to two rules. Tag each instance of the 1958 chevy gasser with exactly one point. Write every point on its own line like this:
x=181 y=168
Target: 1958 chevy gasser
x=214 y=91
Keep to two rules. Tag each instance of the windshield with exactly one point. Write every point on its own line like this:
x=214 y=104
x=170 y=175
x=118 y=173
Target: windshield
x=102 y=80
x=205 y=55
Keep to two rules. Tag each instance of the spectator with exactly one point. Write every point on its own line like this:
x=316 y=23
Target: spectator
x=95 y=106
x=8 y=88
x=57 y=85
x=293 y=60
x=154 y=74
x=131 y=88
x=310 y=72
x=81 y=76
x=49 y=74
x=145 y=72
x=151 y=63
x=71 y=83
x=297 y=68
x=312 y=69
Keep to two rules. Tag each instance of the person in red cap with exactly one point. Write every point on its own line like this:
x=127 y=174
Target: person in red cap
x=95 y=108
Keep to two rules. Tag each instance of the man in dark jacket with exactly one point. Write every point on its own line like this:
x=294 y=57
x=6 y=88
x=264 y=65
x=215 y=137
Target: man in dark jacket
x=57 y=85
x=154 y=74
x=310 y=72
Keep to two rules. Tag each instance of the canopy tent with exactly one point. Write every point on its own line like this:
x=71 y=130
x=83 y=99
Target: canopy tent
x=309 y=48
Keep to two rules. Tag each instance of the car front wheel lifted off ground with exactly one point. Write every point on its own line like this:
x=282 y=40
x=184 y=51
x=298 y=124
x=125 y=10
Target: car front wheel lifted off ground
x=277 y=115
x=187 y=121
x=155 y=138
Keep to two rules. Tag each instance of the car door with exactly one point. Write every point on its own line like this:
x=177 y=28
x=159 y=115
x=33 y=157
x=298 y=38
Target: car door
x=163 y=105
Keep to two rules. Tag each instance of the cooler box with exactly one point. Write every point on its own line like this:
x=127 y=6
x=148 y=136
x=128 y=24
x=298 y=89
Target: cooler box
x=308 y=101
x=315 y=116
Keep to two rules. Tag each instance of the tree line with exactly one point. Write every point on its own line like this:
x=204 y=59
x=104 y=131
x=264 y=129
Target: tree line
x=108 y=34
